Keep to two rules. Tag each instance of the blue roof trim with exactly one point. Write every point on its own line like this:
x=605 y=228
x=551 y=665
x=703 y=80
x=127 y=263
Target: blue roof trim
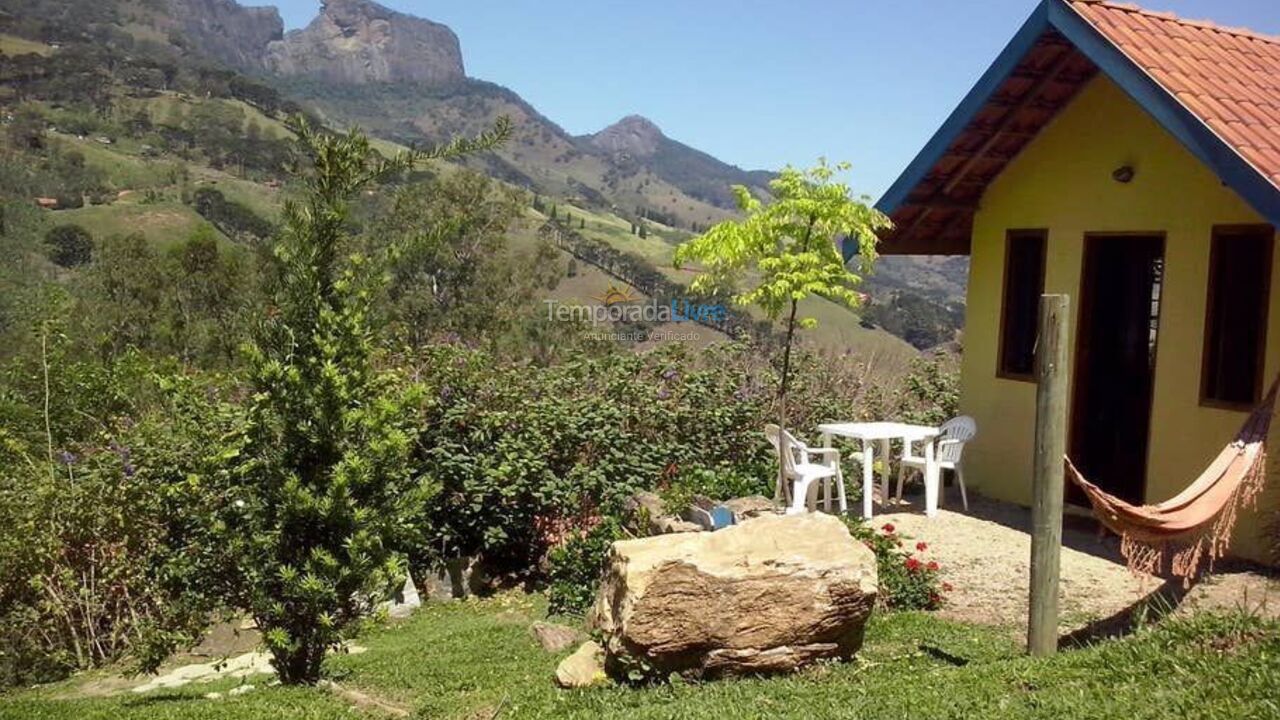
x=955 y=123
x=1243 y=178
x=1173 y=116
x=978 y=96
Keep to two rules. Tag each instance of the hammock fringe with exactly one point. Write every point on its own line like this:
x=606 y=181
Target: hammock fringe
x=1194 y=528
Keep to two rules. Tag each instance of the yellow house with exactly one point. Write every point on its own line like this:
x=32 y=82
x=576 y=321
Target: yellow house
x=1130 y=160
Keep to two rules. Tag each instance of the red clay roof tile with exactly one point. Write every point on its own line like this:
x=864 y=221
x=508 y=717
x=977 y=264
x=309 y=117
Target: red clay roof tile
x=1228 y=77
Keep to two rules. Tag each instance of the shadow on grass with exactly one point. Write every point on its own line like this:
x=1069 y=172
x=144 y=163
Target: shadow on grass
x=1155 y=606
x=142 y=701
x=942 y=655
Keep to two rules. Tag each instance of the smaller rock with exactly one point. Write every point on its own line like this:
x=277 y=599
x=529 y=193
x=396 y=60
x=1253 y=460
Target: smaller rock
x=670 y=525
x=642 y=511
x=584 y=668
x=405 y=601
x=646 y=514
x=459 y=578
x=554 y=638
x=745 y=508
x=240 y=690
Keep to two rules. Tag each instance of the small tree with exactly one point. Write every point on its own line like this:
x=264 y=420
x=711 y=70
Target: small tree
x=793 y=245
x=69 y=245
x=321 y=475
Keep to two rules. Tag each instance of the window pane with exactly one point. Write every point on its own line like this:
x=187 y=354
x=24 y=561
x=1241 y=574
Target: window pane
x=1023 y=285
x=1239 y=282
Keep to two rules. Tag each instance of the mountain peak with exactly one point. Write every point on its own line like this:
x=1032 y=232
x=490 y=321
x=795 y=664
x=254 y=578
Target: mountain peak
x=360 y=41
x=633 y=135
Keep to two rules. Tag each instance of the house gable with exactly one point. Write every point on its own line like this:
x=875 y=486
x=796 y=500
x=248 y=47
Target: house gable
x=1216 y=90
x=1062 y=182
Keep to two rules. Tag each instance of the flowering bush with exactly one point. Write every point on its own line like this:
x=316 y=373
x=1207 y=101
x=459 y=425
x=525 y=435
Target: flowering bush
x=908 y=581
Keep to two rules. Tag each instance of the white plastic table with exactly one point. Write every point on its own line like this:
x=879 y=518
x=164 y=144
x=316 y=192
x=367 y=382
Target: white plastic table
x=872 y=434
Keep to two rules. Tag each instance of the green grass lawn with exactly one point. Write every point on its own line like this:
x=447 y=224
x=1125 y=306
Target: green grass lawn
x=478 y=660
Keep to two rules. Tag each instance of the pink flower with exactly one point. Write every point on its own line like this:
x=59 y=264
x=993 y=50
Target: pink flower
x=912 y=564
x=888 y=527
x=933 y=566
x=946 y=587
x=922 y=546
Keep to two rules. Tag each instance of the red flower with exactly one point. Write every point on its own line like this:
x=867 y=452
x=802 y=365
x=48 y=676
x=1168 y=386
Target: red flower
x=932 y=566
x=946 y=587
x=888 y=527
x=922 y=546
x=935 y=599
x=912 y=564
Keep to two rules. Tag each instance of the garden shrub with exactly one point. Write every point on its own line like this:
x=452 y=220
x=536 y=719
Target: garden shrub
x=514 y=448
x=95 y=534
x=908 y=579
x=575 y=566
x=517 y=449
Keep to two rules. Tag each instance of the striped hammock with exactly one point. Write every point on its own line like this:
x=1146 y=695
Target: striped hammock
x=1196 y=524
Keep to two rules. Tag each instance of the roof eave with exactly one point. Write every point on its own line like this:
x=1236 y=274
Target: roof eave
x=1236 y=172
x=1211 y=149
x=964 y=113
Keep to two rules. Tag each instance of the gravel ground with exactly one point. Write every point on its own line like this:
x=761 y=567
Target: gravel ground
x=985 y=555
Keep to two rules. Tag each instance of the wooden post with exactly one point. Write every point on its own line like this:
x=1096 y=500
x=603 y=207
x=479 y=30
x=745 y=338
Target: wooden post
x=1047 y=478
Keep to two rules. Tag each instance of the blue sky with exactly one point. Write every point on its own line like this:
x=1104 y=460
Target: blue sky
x=757 y=84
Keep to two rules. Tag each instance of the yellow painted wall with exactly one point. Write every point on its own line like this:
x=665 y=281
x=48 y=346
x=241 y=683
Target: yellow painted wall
x=1062 y=181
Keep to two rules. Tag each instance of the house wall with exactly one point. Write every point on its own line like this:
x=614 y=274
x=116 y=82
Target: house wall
x=1062 y=181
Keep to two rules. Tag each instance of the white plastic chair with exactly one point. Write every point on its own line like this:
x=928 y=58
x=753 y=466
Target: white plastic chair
x=952 y=436
x=802 y=474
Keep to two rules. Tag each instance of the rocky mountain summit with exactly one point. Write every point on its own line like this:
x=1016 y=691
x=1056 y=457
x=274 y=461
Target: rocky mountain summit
x=227 y=31
x=633 y=135
x=373 y=63
x=359 y=41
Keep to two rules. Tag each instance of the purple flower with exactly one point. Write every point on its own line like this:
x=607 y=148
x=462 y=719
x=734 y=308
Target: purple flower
x=663 y=393
x=67 y=457
x=129 y=469
x=670 y=374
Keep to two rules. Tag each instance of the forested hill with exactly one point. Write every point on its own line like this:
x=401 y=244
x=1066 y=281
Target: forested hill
x=401 y=78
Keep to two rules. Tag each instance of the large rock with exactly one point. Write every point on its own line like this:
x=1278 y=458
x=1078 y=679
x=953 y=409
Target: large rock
x=360 y=41
x=769 y=595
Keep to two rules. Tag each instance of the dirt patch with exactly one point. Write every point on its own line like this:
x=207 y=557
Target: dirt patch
x=985 y=556
x=1246 y=591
